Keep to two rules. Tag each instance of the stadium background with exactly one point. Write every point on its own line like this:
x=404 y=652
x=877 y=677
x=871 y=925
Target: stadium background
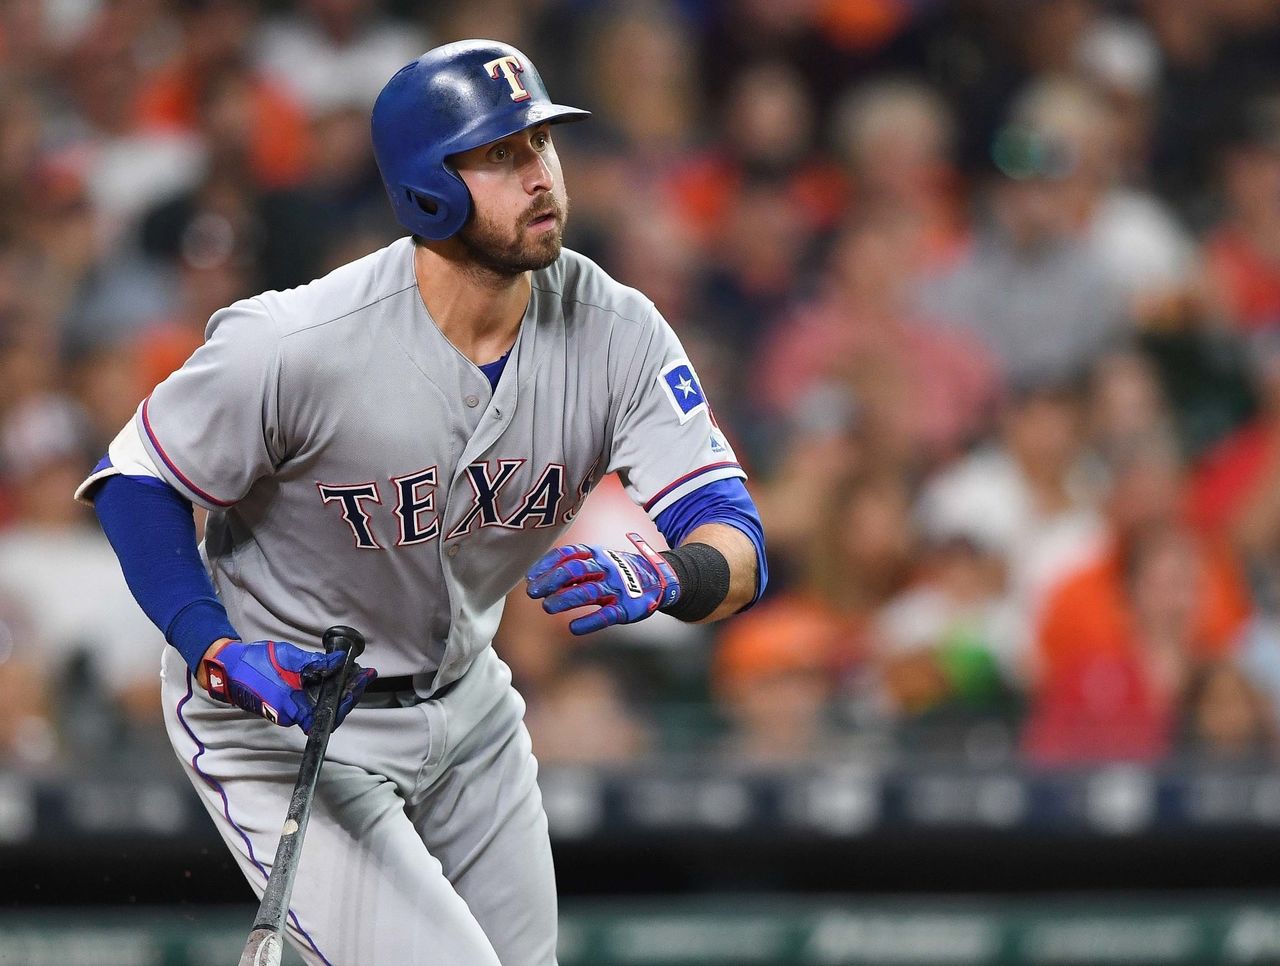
x=986 y=293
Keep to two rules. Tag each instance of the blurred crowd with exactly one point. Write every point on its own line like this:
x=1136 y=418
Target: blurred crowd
x=986 y=293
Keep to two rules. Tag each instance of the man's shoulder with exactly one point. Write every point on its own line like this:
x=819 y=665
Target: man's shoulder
x=348 y=292
x=584 y=289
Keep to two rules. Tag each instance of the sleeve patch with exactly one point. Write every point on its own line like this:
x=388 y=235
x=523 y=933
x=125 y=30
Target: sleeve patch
x=682 y=389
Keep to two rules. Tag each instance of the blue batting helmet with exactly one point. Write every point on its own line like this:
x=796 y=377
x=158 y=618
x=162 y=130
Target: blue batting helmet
x=452 y=99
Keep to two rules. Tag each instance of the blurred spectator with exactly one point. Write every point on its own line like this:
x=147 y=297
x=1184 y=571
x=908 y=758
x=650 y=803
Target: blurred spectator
x=1215 y=56
x=585 y=717
x=27 y=728
x=950 y=642
x=108 y=382
x=1127 y=407
x=766 y=137
x=275 y=238
x=1243 y=250
x=516 y=22
x=1147 y=254
x=922 y=392
x=1225 y=717
x=208 y=81
x=1120 y=56
x=1025 y=505
x=895 y=136
x=96 y=134
x=864 y=553
x=774 y=678
x=1031 y=286
x=213 y=272
x=332 y=54
x=54 y=561
x=759 y=198
x=1119 y=639
x=818 y=447
x=801 y=33
x=578 y=710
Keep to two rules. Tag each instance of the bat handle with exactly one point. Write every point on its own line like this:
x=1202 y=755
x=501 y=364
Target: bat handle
x=341 y=637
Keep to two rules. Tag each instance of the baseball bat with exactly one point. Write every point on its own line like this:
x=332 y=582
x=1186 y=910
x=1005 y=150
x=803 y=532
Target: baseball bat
x=266 y=943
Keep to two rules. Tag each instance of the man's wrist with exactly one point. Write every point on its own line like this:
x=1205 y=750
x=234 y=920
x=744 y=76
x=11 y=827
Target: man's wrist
x=704 y=575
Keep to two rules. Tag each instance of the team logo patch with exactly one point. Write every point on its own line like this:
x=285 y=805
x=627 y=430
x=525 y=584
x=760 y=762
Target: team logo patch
x=683 y=390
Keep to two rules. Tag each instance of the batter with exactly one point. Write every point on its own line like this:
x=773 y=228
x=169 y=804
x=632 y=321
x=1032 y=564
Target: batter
x=395 y=446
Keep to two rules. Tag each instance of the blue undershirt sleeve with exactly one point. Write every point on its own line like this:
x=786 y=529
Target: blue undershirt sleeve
x=152 y=530
x=723 y=501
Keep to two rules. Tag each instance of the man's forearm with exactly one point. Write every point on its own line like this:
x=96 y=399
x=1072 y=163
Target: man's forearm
x=740 y=554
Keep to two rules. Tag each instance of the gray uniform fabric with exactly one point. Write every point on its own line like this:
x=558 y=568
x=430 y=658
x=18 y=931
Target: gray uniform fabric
x=427 y=844
x=359 y=470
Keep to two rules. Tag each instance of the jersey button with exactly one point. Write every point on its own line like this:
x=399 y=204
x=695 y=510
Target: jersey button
x=453 y=550
x=472 y=401
x=497 y=414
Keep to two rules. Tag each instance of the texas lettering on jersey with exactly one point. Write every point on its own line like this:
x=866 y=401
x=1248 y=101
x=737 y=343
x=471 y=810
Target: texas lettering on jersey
x=416 y=518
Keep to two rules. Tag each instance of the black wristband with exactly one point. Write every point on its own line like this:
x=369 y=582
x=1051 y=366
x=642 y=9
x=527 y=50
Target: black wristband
x=704 y=580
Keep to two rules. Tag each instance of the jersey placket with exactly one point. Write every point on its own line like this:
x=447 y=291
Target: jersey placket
x=492 y=425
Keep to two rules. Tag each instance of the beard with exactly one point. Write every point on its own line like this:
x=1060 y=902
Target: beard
x=506 y=253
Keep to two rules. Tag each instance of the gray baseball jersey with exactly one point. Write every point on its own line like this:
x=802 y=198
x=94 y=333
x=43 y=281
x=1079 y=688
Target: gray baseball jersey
x=361 y=470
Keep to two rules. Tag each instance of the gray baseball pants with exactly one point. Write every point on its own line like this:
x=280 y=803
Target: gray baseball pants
x=427 y=842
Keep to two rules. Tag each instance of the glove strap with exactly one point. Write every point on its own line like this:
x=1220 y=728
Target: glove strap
x=668 y=583
x=215 y=674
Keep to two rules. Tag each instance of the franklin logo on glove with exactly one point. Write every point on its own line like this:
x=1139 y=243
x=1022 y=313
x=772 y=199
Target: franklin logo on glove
x=627 y=587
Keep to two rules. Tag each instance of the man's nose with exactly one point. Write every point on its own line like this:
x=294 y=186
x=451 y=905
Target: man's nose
x=537 y=175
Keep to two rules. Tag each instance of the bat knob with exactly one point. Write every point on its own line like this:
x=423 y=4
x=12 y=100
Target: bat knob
x=345 y=638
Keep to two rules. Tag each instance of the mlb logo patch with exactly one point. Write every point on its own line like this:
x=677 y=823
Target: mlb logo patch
x=682 y=389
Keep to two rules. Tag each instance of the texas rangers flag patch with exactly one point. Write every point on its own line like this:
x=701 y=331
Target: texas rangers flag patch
x=682 y=389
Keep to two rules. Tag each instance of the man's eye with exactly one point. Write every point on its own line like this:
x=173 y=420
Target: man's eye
x=498 y=154
x=540 y=141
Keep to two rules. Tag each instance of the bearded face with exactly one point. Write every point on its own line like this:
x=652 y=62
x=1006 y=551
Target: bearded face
x=532 y=242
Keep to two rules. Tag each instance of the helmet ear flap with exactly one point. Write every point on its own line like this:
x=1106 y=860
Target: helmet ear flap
x=437 y=213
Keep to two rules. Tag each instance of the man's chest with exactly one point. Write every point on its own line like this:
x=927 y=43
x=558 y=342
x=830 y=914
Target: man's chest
x=416 y=461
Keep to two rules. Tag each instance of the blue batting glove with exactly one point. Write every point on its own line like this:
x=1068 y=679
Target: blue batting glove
x=627 y=587
x=271 y=679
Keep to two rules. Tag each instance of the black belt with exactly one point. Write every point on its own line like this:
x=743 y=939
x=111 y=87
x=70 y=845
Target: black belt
x=403 y=682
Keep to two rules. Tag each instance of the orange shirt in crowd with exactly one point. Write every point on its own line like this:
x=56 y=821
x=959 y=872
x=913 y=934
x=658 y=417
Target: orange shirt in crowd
x=1098 y=699
x=1089 y=614
x=279 y=151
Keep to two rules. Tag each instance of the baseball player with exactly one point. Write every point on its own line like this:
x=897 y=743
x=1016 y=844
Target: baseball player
x=394 y=447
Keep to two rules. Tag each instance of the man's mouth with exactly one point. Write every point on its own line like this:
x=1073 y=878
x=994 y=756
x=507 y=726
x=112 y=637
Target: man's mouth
x=544 y=220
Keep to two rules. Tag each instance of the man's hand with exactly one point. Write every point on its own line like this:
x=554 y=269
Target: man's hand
x=627 y=587
x=271 y=678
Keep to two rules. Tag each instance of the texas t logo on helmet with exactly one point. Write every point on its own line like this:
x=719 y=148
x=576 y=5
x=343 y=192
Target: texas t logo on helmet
x=511 y=69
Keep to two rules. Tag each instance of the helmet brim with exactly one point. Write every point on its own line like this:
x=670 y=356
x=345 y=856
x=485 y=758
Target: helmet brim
x=535 y=115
